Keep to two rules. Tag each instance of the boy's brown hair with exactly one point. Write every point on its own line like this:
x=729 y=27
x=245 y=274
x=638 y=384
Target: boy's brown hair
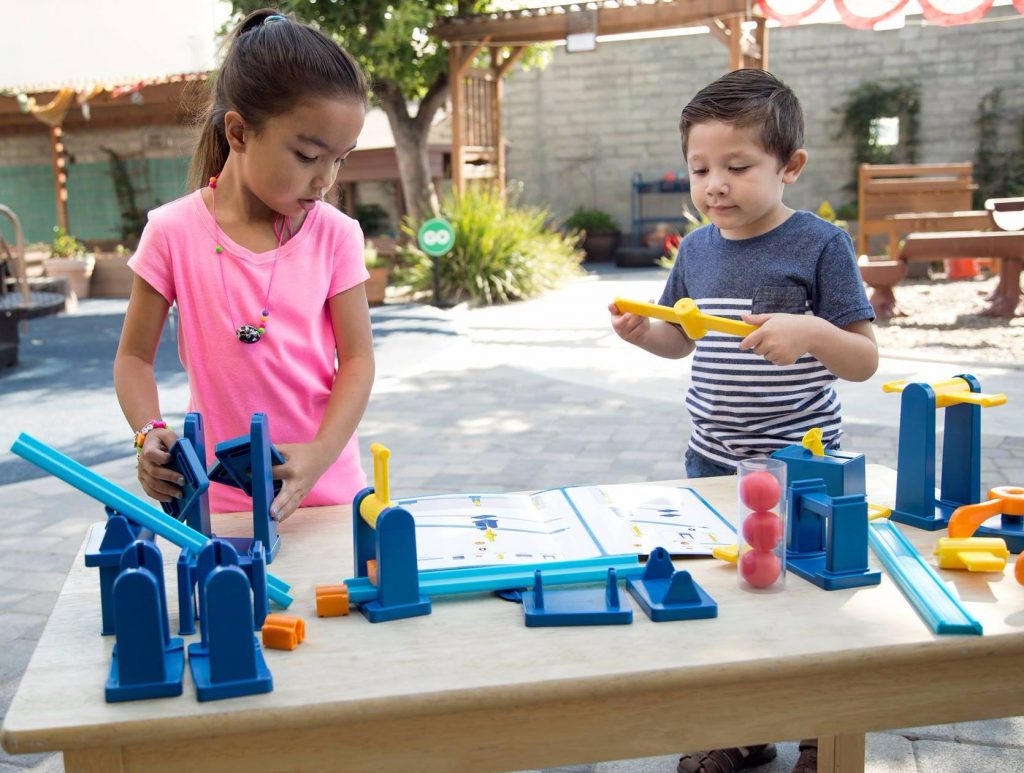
x=746 y=98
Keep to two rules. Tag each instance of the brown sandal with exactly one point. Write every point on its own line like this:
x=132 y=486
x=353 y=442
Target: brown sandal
x=808 y=761
x=727 y=760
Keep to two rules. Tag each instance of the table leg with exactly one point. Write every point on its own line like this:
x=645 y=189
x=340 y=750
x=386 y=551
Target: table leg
x=1007 y=292
x=107 y=760
x=841 y=753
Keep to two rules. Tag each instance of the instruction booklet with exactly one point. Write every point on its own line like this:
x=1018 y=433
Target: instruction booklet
x=455 y=530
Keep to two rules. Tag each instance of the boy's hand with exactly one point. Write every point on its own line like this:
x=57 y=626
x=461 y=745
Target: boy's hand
x=632 y=328
x=781 y=339
x=158 y=480
x=303 y=466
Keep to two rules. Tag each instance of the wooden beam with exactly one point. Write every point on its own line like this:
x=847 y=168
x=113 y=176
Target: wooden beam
x=60 y=176
x=466 y=59
x=455 y=59
x=510 y=59
x=735 y=24
x=545 y=24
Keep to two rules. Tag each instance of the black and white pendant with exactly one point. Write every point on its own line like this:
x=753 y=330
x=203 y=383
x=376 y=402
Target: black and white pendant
x=248 y=334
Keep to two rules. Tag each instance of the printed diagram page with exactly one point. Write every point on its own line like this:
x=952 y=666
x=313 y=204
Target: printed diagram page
x=636 y=518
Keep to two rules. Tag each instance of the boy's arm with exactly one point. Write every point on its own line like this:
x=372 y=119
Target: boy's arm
x=849 y=352
x=661 y=338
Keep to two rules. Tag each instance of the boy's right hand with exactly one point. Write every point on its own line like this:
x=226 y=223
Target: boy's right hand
x=632 y=328
x=158 y=480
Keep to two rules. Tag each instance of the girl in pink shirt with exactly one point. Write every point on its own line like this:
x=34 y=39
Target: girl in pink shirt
x=267 y=278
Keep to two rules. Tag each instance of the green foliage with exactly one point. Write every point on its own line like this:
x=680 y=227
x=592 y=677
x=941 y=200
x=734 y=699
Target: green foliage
x=64 y=245
x=372 y=258
x=999 y=172
x=133 y=217
x=502 y=252
x=593 y=221
x=373 y=219
x=863 y=106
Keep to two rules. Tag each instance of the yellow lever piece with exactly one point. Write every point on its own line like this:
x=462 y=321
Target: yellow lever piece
x=975 y=554
x=952 y=391
x=878 y=511
x=695 y=323
x=372 y=506
x=812 y=441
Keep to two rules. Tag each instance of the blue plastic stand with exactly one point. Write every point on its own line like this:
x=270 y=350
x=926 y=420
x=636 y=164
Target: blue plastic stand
x=667 y=594
x=197 y=516
x=576 y=606
x=103 y=550
x=186 y=463
x=392 y=543
x=842 y=472
x=827 y=542
x=146 y=662
x=916 y=504
x=1010 y=529
x=228 y=661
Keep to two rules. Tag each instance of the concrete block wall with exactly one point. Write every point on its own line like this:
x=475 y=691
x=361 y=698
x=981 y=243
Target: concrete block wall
x=580 y=128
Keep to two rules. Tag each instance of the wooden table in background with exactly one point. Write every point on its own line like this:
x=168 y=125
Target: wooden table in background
x=470 y=688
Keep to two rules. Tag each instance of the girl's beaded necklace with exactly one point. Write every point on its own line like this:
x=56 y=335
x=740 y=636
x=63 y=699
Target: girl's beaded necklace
x=246 y=333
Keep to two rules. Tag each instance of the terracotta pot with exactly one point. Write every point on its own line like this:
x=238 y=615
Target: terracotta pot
x=111 y=278
x=376 y=285
x=76 y=271
x=601 y=246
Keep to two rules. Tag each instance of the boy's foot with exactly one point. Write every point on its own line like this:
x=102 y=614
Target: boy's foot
x=808 y=761
x=727 y=760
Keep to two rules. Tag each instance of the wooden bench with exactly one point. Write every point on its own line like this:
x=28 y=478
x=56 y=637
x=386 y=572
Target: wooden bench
x=886 y=191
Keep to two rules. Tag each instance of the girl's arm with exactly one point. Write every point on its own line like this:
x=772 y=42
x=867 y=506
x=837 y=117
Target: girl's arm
x=136 y=390
x=306 y=462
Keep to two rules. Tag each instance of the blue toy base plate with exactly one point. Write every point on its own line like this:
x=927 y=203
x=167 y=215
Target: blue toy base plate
x=199 y=664
x=375 y=613
x=576 y=606
x=928 y=523
x=813 y=570
x=174 y=665
x=661 y=613
x=1013 y=535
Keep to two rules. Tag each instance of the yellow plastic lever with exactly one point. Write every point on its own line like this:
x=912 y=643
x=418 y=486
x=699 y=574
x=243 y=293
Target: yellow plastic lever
x=695 y=323
x=372 y=506
x=975 y=554
x=952 y=391
x=812 y=441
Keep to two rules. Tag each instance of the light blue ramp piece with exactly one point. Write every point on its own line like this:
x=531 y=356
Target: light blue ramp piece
x=126 y=503
x=924 y=589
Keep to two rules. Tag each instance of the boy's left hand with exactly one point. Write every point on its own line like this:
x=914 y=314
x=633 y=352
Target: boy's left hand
x=304 y=464
x=781 y=339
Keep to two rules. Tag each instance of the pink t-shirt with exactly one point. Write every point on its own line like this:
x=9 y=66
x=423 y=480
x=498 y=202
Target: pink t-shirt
x=288 y=374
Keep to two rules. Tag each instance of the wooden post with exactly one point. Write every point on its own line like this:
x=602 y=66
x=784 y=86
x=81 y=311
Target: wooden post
x=455 y=87
x=60 y=175
x=735 y=26
x=496 y=134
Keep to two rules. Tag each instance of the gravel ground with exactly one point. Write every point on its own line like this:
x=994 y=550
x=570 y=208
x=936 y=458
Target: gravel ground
x=943 y=323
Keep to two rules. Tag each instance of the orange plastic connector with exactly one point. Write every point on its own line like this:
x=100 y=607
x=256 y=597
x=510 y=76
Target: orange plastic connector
x=1007 y=500
x=371 y=571
x=331 y=600
x=283 y=632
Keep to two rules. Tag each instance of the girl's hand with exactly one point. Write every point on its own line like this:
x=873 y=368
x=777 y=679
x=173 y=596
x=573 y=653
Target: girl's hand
x=303 y=466
x=632 y=328
x=782 y=339
x=158 y=480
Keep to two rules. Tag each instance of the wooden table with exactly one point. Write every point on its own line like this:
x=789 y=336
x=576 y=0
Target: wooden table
x=470 y=688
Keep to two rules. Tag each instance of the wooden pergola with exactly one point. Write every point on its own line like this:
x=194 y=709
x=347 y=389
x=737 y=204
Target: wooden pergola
x=478 y=149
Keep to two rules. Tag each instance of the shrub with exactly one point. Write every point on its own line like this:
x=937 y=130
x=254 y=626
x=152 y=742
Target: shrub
x=64 y=245
x=593 y=221
x=502 y=252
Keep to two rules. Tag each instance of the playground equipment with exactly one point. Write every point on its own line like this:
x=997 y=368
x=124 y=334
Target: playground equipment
x=695 y=323
x=963 y=400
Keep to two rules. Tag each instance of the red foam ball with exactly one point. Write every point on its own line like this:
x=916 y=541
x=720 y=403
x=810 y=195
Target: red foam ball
x=759 y=490
x=760 y=568
x=762 y=530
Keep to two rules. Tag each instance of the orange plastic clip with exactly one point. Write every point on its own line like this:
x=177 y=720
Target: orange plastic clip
x=283 y=632
x=331 y=600
x=371 y=571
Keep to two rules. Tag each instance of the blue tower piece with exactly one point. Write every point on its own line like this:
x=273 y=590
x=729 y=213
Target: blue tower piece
x=916 y=504
x=842 y=472
x=198 y=515
x=103 y=550
x=253 y=563
x=146 y=662
x=667 y=594
x=576 y=606
x=391 y=542
x=227 y=662
x=185 y=461
x=827 y=542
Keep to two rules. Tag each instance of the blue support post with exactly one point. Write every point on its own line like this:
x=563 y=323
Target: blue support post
x=576 y=606
x=398 y=587
x=198 y=516
x=264 y=528
x=185 y=462
x=103 y=550
x=667 y=594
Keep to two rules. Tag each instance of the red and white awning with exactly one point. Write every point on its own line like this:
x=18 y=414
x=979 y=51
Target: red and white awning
x=865 y=14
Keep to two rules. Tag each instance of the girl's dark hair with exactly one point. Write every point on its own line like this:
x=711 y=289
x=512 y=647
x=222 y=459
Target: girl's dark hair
x=273 y=63
x=745 y=98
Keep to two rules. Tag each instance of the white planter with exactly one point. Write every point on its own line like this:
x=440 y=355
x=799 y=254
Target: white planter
x=76 y=271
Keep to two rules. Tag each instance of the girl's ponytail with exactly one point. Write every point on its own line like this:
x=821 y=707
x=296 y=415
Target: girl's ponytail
x=211 y=149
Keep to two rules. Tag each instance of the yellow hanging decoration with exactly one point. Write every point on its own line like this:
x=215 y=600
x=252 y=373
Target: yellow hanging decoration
x=52 y=113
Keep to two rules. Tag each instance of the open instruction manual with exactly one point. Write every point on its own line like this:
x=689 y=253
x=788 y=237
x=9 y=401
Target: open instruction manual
x=562 y=524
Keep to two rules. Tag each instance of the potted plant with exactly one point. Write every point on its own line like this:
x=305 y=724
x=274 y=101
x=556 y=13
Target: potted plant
x=599 y=230
x=69 y=260
x=377 y=284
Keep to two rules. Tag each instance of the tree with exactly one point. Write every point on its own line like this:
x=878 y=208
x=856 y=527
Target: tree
x=406 y=65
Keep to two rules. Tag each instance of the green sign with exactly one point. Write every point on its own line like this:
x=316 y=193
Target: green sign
x=436 y=237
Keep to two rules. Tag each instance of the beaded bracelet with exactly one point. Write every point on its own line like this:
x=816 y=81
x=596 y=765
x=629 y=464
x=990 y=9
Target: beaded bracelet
x=140 y=436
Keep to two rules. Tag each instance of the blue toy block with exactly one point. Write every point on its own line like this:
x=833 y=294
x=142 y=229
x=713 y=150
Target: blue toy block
x=392 y=543
x=827 y=542
x=234 y=464
x=227 y=662
x=667 y=594
x=253 y=562
x=916 y=504
x=186 y=463
x=146 y=662
x=842 y=472
x=198 y=515
x=576 y=606
x=103 y=550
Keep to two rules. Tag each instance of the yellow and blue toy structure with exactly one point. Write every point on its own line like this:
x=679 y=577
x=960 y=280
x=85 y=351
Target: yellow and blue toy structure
x=1007 y=502
x=962 y=399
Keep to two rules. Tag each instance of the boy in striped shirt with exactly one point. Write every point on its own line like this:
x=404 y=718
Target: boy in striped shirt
x=789 y=272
